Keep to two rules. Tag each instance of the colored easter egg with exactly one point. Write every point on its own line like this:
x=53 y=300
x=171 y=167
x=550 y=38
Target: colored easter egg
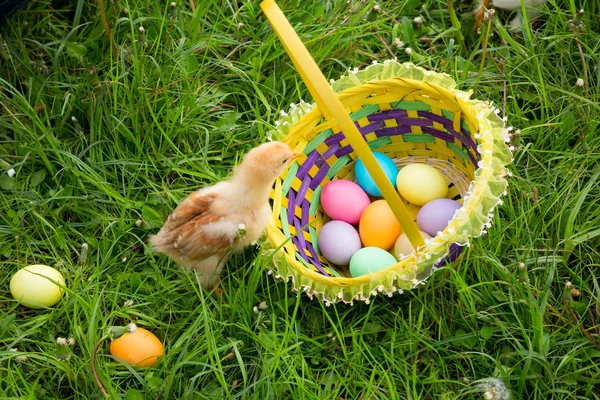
x=37 y=286
x=403 y=247
x=378 y=226
x=370 y=259
x=338 y=241
x=364 y=179
x=140 y=348
x=344 y=201
x=421 y=183
x=434 y=216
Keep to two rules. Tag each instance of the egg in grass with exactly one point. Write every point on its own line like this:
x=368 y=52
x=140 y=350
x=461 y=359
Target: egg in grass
x=138 y=347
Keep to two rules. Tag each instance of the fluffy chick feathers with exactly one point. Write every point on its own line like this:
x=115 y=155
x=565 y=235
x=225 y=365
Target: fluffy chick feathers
x=203 y=229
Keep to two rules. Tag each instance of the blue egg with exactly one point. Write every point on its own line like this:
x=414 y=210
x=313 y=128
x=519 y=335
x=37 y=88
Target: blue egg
x=364 y=180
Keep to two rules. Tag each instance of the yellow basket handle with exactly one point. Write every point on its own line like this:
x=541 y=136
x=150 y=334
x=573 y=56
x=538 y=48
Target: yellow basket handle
x=332 y=109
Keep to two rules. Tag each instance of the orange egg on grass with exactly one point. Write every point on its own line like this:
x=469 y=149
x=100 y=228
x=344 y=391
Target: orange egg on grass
x=378 y=226
x=140 y=348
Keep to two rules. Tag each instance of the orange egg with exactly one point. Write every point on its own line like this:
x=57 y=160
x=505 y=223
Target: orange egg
x=378 y=226
x=140 y=348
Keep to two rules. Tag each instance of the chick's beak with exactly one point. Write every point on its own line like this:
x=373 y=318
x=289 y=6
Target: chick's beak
x=296 y=154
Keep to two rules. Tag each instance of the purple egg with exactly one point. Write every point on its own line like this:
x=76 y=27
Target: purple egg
x=434 y=216
x=338 y=241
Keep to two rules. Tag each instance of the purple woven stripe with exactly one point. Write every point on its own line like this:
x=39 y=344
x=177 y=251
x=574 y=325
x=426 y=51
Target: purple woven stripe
x=344 y=151
x=307 y=165
x=291 y=206
x=413 y=121
x=464 y=137
x=301 y=243
x=372 y=127
x=454 y=252
x=472 y=157
x=393 y=131
x=438 y=134
x=299 y=235
x=302 y=191
x=319 y=176
x=434 y=117
x=333 y=139
x=331 y=150
x=315 y=260
x=305 y=218
x=388 y=114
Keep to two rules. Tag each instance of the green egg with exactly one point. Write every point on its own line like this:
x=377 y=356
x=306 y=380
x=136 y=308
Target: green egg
x=370 y=259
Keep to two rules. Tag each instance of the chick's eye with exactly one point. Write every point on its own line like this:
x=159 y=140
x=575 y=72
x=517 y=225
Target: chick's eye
x=284 y=161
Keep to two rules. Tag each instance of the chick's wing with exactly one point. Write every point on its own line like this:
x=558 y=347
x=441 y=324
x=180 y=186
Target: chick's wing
x=194 y=230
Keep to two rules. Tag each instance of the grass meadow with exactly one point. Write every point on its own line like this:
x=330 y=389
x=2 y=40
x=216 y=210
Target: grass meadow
x=104 y=140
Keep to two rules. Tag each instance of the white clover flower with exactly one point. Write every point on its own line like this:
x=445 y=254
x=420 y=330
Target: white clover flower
x=141 y=29
x=132 y=327
x=418 y=20
x=61 y=341
x=579 y=82
x=398 y=43
x=11 y=172
x=262 y=305
x=173 y=4
x=408 y=51
x=241 y=227
x=21 y=359
x=71 y=341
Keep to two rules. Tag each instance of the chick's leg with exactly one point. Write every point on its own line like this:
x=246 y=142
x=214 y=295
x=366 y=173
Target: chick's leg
x=208 y=270
x=480 y=13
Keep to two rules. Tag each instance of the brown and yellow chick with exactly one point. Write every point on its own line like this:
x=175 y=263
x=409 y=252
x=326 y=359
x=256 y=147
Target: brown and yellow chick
x=204 y=228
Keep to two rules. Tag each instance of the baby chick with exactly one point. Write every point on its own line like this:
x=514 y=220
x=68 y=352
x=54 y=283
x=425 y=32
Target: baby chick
x=204 y=228
x=532 y=6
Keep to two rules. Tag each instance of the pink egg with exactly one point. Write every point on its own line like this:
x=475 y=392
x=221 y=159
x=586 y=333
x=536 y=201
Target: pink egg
x=338 y=241
x=344 y=201
x=434 y=216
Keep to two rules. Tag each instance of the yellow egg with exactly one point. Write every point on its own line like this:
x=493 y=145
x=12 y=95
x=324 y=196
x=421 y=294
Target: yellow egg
x=403 y=247
x=378 y=226
x=34 y=286
x=421 y=183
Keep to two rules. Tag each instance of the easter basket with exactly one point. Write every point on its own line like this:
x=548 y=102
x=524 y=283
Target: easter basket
x=411 y=115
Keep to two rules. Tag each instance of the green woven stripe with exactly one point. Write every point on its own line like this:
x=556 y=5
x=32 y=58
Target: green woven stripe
x=315 y=201
x=314 y=238
x=418 y=138
x=380 y=142
x=448 y=115
x=458 y=151
x=303 y=261
x=411 y=105
x=289 y=178
x=465 y=127
x=284 y=222
x=338 y=165
x=317 y=140
x=333 y=272
x=365 y=111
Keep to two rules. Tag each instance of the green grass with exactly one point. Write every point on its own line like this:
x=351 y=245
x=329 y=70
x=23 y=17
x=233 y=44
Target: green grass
x=178 y=107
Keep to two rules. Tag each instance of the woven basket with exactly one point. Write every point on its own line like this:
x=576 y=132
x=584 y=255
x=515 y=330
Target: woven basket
x=412 y=115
